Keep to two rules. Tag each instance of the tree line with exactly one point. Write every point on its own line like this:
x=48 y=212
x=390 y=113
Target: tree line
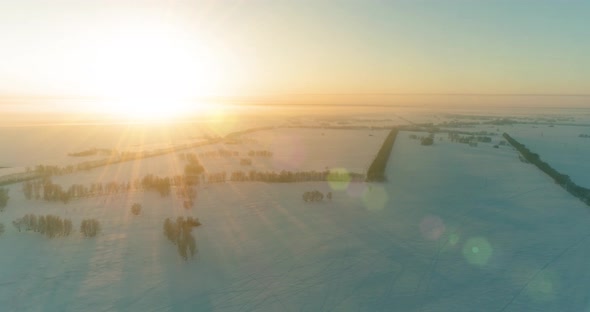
x=46 y=189
x=91 y=152
x=298 y=176
x=376 y=171
x=563 y=180
x=48 y=225
x=468 y=139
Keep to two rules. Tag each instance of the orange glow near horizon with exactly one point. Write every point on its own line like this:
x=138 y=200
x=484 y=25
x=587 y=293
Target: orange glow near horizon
x=152 y=109
x=149 y=73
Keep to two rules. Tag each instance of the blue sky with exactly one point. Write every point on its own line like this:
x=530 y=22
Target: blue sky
x=289 y=47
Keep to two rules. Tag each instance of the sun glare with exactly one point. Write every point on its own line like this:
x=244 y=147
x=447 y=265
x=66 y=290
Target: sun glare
x=152 y=109
x=152 y=74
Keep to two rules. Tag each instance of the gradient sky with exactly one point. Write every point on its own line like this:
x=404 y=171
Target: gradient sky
x=254 y=47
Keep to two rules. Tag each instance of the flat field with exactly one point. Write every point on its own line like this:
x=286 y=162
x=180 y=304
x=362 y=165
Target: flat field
x=455 y=228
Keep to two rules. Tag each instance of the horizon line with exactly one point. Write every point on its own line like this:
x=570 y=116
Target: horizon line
x=314 y=94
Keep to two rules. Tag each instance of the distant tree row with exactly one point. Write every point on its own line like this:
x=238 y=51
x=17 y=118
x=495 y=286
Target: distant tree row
x=424 y=140
x=300 y=176
x=217 y=177
x=51 y=169
x=584 y=136
x=1 y=229
x=191 y=158
x=315 y=196
x=260 y=153
x=117 y=157
x=91 y=152
x=246 y=162
x=224 y=153
x=179 y=233
x=469 y=139
x=155 y=183
x=211 y=154
x=562 y=179
x=49 y=225
x=47 y=190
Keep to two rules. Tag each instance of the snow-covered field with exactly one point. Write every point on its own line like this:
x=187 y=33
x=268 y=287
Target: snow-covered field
x=30 y=145
x=560 y=146
x=456 y=228
x=293 y=149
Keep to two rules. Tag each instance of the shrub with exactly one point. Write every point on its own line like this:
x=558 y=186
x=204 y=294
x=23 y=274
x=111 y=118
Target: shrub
x=136 y=209
x=42 y=226
x=67 y=227
x=16 y=224
x=186 y=243
x=3 y=198
x=193 y=169
x=314 y=196
x=427 y=140
x=171 y=230
x=246 y=162
x=89 y=227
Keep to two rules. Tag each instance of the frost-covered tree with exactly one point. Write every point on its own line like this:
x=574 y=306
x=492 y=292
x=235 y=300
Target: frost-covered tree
x=67 y=227
x=42 y=224
x=179 y=232
x=49 y=225
x=28 y=189
x=3 y=198
x=90 y=227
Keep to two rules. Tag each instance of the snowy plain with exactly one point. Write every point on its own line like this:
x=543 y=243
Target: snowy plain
x=456 y=228
x=559 y=145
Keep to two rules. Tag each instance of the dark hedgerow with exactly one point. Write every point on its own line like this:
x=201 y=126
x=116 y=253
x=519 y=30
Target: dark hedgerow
x=376 y=172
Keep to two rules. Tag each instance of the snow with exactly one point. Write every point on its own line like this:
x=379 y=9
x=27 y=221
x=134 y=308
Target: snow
x=293 y=149
x=8 y=171
x=456 y=228
x=31 y=145
x=559 y=146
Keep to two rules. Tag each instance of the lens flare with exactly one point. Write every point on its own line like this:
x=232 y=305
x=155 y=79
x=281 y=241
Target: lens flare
x=375 y=197
x=543 y=286
x=477 y=251
x=339 y=179
x=432 y=227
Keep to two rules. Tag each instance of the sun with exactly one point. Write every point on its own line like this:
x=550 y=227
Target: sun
x=152 y=73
